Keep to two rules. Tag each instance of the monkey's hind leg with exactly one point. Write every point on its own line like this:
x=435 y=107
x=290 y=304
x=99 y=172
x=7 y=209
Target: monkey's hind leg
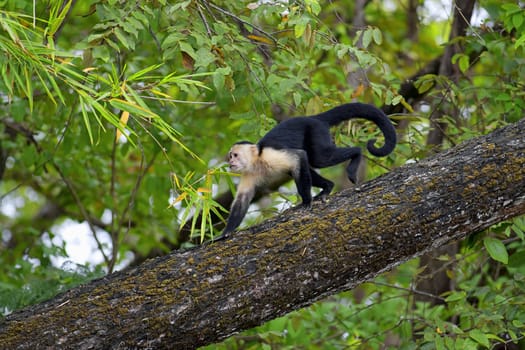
x=353 y=166
x=333 y=155
x=325 y=185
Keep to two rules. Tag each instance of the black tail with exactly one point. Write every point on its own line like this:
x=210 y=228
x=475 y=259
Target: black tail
x=348 y=111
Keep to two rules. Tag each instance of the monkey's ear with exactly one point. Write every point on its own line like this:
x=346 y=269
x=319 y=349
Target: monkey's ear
x=254 y=150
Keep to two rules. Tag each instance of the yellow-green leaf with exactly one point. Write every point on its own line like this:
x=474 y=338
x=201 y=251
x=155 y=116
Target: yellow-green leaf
x=496 y=249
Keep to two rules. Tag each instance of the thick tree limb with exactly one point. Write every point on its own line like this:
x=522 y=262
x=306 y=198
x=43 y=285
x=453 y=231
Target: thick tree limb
x=196 y=297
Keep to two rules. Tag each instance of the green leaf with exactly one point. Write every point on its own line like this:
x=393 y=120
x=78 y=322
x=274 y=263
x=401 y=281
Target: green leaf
x=520 y=42
x=141 y=73
x=378 y=36
x=299 y=29
x=517 y=20
x=425 y=83
x=518 y=226
x=29 y=156
x=440 y=344
x=513 y=335
x=511 y=8
x=132 y=108
x=102 y=53
x=219 y=77
x=297 y=97
x=464 y=63
x=123 y=39
x=367 y=38
x=479 y=337
x=187 y=48
x=517 y=260
x=397 y=99
x=203 y=57
x=496 y=249
x=456 y=296
x=83 y=108
x=313 y=6
x=181 y=5
x=218 y=81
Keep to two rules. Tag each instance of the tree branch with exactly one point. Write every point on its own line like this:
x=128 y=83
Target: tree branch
x=196 y=297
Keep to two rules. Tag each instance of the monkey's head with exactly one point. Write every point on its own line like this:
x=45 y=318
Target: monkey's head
x=242 y=157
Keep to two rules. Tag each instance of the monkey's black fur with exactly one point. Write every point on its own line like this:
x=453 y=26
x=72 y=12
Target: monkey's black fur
x=312 y=134
x=306 y=144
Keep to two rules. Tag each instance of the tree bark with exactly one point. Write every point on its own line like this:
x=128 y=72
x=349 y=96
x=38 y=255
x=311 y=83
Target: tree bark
x=196 y=297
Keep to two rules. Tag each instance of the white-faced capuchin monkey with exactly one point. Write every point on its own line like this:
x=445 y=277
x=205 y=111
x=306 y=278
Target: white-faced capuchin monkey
x=295 y=148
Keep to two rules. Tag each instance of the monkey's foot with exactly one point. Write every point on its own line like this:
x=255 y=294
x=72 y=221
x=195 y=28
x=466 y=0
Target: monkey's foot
x=321 y=197
x=305 y=206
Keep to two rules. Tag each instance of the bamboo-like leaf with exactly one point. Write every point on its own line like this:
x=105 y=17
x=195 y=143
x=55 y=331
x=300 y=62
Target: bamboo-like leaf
x=180 y=198
x=204 y=218
x=141 y=73
x=186 y=79
x=259 y=38
x=106 y=114
x=85 y=117
x=5 y=23
x=124 y=116
x=20 y=82
x=54 y=85
x=7 y=81
x=160 y=94
x=176 y=179
x=136 y=97
x=57 y=14
x=33 y=60
x=29 y=87
x=133 y=108
x=194 y=219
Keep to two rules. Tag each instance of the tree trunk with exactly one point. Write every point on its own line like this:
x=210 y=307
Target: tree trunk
x=196 y=297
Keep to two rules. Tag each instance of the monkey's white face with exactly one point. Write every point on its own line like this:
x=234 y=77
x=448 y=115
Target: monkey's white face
x=240 y=157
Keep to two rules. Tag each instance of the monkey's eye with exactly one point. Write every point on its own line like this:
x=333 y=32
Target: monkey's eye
x=235 y=155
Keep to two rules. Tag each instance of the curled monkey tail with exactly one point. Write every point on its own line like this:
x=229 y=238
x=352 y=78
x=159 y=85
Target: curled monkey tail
x=354 y=110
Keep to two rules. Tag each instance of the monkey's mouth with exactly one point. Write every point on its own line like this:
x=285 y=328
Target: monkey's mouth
x=234 y=167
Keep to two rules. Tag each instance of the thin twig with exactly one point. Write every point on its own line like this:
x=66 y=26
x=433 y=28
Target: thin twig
x=223 y=11
x=410 y=290
x=155 y=39
x=203 y=18
x=83 y=210
x=176 y=101
x=136 y=188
